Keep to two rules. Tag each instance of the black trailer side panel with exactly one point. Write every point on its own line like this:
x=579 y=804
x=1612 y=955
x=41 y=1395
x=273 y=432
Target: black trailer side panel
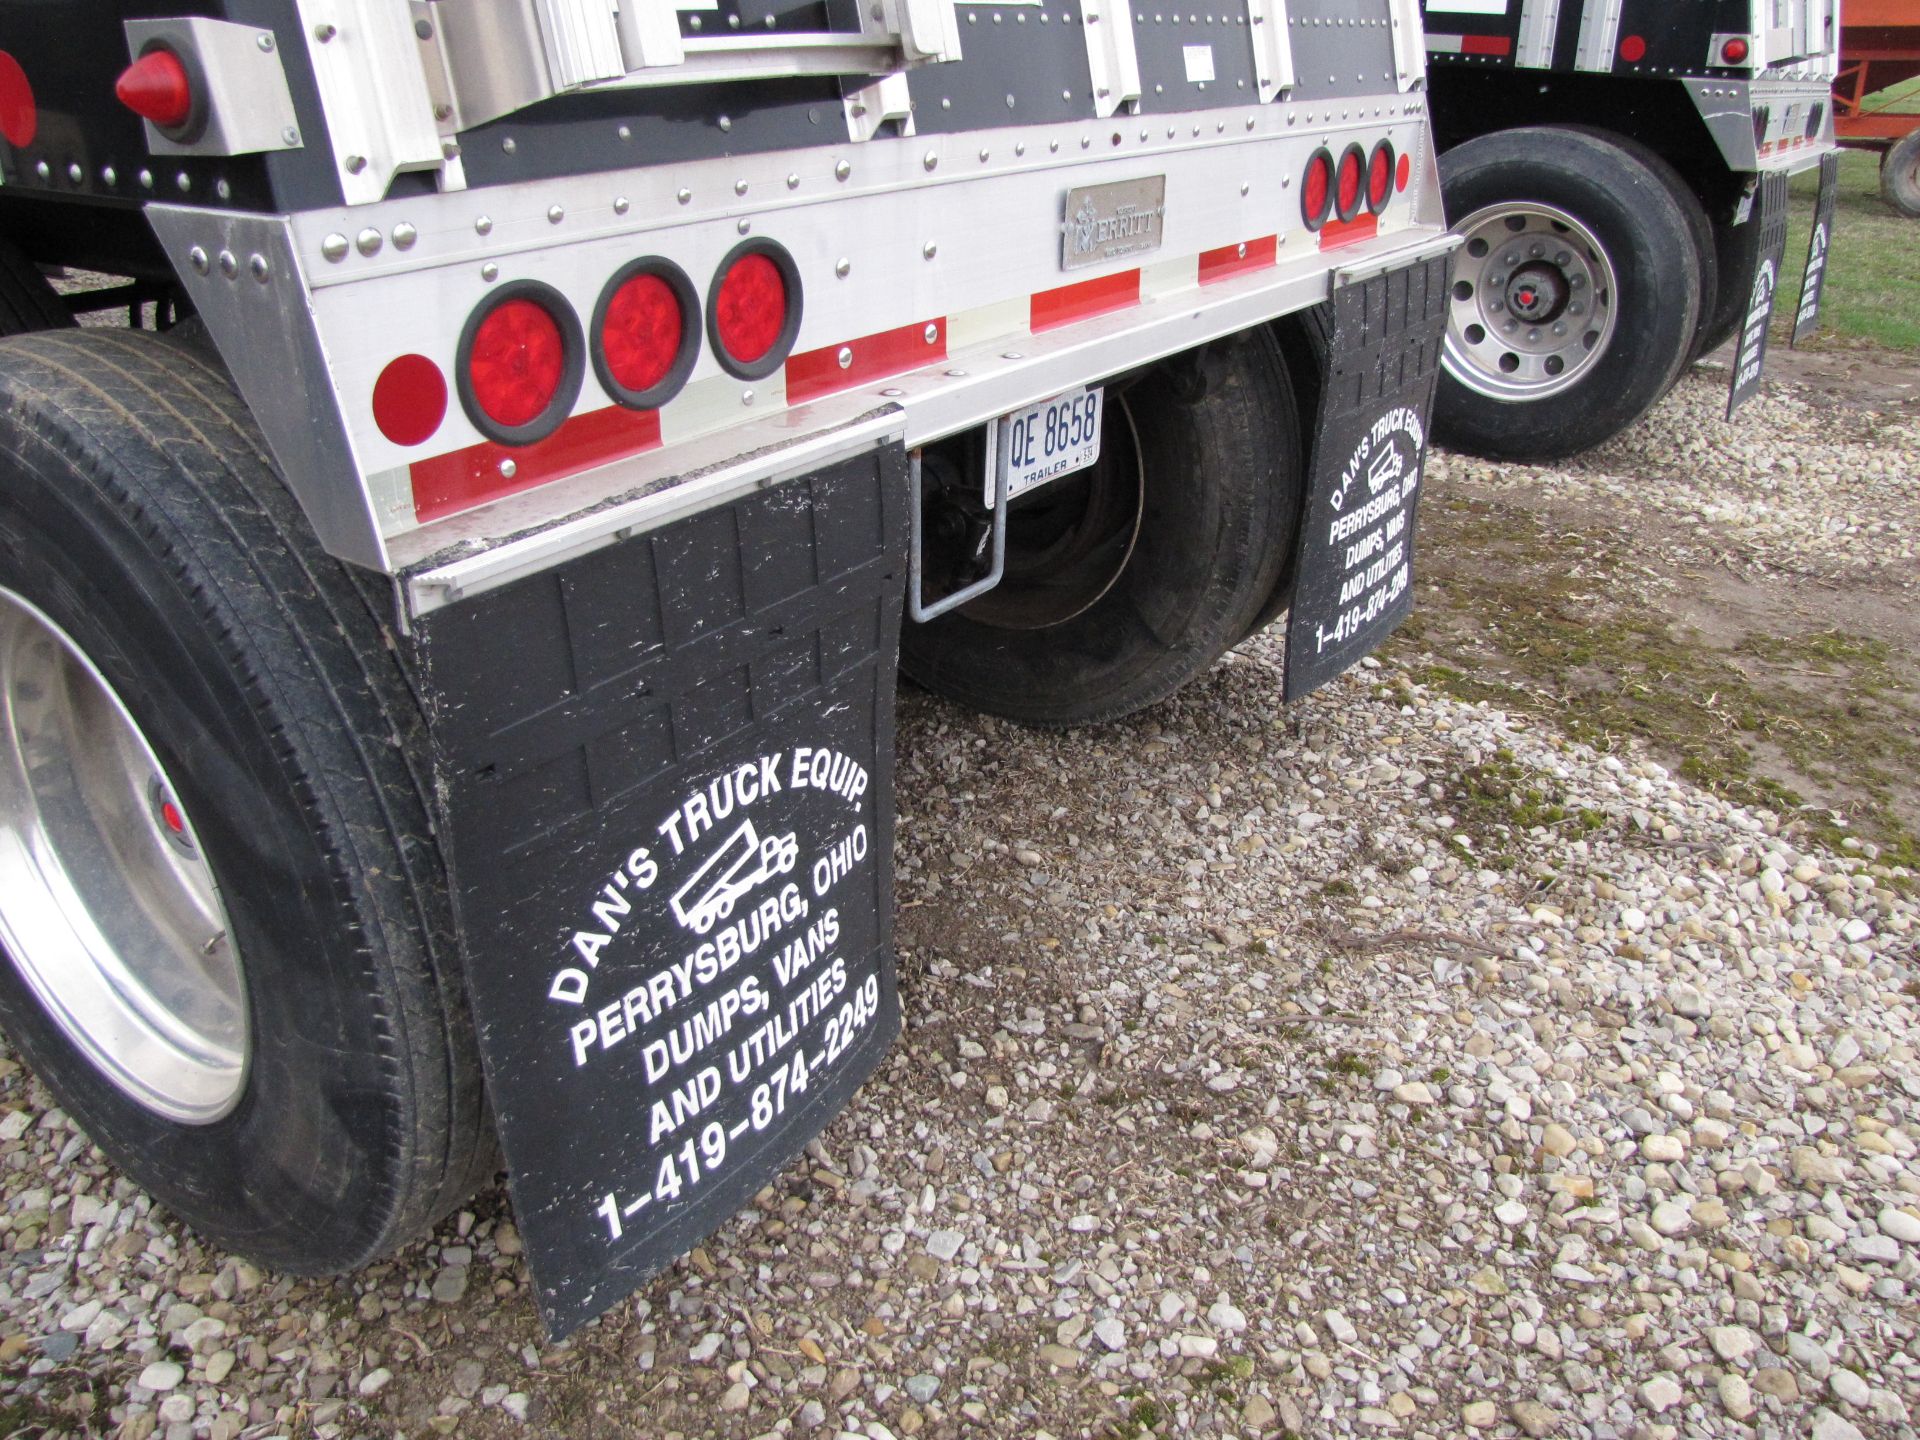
x=666 y=776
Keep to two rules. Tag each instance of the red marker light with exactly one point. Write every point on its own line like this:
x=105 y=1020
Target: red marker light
x=1633 y=49
x=517 y=362
x=409 y=399
x=172 y=818
x=156 y=87
x=1403 y=176
x=1316 y=189
x=1734 y=51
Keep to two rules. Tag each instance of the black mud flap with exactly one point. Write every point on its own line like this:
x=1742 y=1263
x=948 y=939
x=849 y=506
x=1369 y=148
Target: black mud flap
x=1813 y=280
x=666 y=774
x=1354 y=557
x=1750 y=360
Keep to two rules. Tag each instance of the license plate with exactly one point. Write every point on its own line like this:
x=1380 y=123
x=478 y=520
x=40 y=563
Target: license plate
x=1045 y=441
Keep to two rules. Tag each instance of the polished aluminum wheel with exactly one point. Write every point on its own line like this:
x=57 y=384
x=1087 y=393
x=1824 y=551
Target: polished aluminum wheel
x=107 y=906
x=1534 y=302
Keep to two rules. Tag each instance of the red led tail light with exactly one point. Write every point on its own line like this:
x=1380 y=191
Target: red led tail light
x=1734 y=51
x=1316 y=189
x=520 y=363
x=1348 y=195
x=1380 y=177
x=646 y=336
x=753 y=309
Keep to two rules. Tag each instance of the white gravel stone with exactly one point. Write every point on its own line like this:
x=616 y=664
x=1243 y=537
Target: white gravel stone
x=162 y=1375
x=1661 y=1394
x=1902 y=1225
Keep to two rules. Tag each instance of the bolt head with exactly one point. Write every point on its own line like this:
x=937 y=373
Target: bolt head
x=197 y=257
x=404 y=235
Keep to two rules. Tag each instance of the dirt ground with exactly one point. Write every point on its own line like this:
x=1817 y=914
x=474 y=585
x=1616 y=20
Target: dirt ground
x=1793 y=682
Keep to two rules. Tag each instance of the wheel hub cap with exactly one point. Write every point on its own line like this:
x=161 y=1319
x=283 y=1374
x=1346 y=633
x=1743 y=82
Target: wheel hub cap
x=108 y=909
x=1533 y=304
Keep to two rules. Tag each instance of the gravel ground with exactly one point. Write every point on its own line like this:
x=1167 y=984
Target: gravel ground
x=1260 y=1076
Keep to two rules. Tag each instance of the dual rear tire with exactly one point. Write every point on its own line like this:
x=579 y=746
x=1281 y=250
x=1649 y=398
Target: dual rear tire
x=1126 y=580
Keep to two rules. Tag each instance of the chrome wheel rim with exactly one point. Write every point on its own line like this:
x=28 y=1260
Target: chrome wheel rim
x=1534 y=302
x=107 y=906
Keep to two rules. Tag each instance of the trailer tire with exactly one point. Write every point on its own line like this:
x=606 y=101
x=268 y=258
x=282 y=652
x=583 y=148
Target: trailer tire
x=1699 y=228
x=1900 y=175
x=317 y=1100
x=27 y=301
x=1735 y=247
x=1600 y=243
x=1219 y=477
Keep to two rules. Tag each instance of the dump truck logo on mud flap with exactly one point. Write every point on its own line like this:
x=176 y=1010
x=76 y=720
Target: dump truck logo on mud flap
x=731 y=873
x=1753 y=341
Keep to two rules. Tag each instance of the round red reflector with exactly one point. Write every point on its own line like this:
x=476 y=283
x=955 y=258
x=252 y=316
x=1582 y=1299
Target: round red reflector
x=642 y=332
x=1316 y=189
x=1348 y=190
x=171 y=817
x=516 y=363
x=1633 y=49
x=1380 y=177
x=19 y=116
x=1734 y=51
x=1403 y=173
x=409 y=399
x=156 y=87
x=750 y=309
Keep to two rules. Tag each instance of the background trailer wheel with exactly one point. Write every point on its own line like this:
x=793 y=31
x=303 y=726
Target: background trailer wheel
x=1126 y=580
x=1576 y=296
x=228 y=946
x=1900 y=175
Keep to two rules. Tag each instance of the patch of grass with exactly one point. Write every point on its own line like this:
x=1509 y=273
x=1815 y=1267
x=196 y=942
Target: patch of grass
x=1834 y=706
x=1873 y=267
x=1335 y=888
x=1348 y=1063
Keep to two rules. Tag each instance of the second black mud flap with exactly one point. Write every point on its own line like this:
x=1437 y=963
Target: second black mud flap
x=666 y=775
x=1354 y=557
x=1813 y=279
x=1762 y=285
